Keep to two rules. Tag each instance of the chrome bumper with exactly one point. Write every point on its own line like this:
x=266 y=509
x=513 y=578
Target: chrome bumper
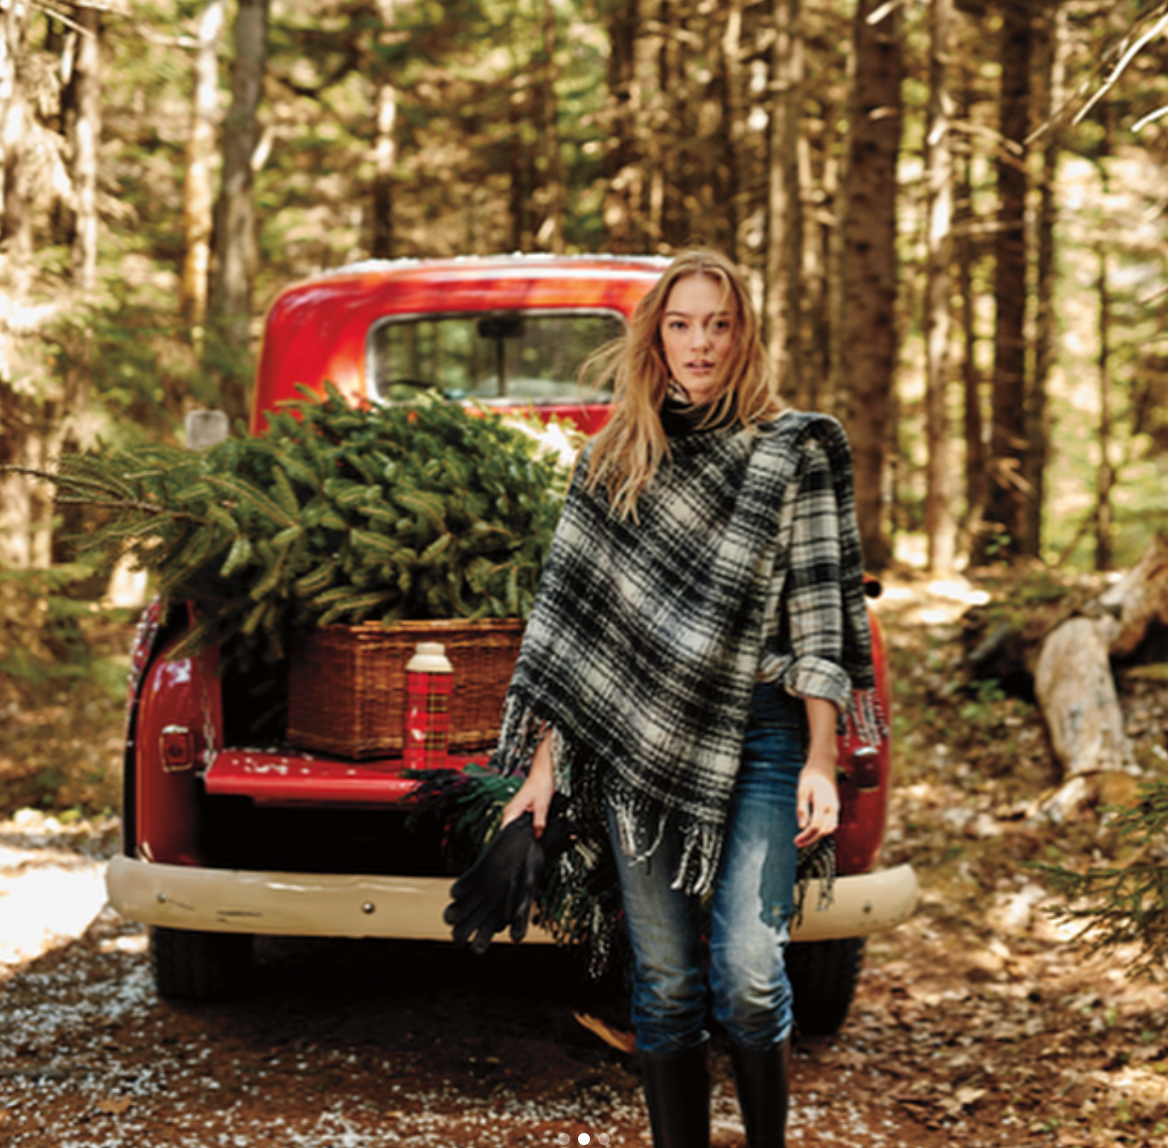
x=337 y=905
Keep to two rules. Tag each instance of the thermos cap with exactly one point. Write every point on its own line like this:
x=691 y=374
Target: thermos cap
x=429 y=658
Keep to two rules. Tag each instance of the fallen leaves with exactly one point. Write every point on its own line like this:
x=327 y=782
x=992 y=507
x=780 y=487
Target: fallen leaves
x=110 y=1107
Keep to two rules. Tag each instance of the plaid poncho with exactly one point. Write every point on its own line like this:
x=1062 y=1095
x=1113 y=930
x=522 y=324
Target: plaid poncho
x=647 y=637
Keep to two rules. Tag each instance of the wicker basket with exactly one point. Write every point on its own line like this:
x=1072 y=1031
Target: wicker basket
x=347 y=684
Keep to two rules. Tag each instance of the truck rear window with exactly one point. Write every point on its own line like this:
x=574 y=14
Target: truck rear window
x=512 y=356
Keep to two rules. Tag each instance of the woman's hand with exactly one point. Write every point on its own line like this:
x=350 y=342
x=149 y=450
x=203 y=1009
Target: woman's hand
x=817 y=801
x=536 y=792
x=817 y=807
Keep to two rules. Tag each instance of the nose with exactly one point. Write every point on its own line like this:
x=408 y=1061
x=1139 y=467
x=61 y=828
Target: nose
x=700 y=337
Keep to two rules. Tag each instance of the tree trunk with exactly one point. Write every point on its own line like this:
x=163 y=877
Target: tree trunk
x=385 y=143
x=621 y=179
x=785 y=215
x=1008 y=495
x=869 y=334
x=84 y=134
x=549 y=234
x=235 y=224
x=198 y=196
x=939 y=520
x=1054 y=47
x=667 y=223
x=1073 y=677
x=728 y=172
x=16 y=217
x=1105 y=476
x=973 y=424
x=519 y=196
x=1076 y=690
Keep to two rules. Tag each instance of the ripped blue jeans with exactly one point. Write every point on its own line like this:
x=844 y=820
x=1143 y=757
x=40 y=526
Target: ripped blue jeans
x=750 y=907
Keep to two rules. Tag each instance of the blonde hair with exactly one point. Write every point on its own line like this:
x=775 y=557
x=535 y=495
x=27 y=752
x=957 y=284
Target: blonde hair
x=629 y=449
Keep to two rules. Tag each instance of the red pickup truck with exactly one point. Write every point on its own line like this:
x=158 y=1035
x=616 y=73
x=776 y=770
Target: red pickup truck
x=230 y=830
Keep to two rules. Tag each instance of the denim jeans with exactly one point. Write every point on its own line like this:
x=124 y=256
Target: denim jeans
x=749 y=909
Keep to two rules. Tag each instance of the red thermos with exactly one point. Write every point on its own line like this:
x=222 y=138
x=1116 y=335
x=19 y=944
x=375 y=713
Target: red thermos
x=429 y=678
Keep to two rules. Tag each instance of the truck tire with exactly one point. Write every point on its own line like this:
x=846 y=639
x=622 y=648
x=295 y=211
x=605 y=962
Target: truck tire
x=823 y=976
x=197 y=966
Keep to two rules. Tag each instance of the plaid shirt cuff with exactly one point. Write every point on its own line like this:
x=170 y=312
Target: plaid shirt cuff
x=812 y=677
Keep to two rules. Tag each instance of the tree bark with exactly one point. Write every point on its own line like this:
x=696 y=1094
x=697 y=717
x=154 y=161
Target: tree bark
x=385 y=144
x=728 y=171
x=235 y=224
x=940 y=529
x=198 y=196
x=1105 y=475
x=16 y=217
x=1008 y=494
x=621 y=177
x=785 y=234
x=84 y=134
x=549 y=234
x=1073 y=678
x=869 y=329
x=973 y=424
x=1076 y=690
x=519 y=198
x=1054 y=47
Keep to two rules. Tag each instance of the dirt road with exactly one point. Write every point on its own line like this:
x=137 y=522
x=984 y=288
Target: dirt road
x=1007 y=1041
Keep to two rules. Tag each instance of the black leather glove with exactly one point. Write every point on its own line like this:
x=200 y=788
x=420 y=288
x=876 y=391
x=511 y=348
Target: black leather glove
x=498 y=890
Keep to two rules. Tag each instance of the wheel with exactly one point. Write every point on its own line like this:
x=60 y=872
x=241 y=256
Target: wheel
x=823 y=976
x=197 y=966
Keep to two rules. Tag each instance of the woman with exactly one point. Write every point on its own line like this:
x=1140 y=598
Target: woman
x=697 y=640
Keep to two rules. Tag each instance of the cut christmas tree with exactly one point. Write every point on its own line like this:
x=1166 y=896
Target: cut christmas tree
x=334 y=514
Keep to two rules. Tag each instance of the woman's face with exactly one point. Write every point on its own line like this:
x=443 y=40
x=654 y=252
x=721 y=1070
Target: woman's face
x=696 y=330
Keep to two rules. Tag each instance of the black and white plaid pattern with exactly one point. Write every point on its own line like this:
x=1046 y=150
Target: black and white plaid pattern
x=647 y=637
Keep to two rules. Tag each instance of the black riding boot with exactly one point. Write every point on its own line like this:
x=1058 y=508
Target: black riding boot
x=763 y=1079
x=677 y=1093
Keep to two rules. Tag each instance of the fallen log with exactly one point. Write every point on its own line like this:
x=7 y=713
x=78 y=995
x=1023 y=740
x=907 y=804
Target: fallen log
x=1075 y=685
x=1076 y=690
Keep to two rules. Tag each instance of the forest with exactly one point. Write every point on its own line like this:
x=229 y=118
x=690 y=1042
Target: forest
x=953 y=217
x=952 y=213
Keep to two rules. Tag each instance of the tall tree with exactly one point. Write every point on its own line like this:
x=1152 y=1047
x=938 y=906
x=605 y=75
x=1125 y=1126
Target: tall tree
x=1006 y=511
x=784 y=254
x=235 y=224
x=940 y=524
x=1053 y=94
x=869 y=321
x=198 y=193
x=83 y=132
x=965 y=248
x=621 y=167
x=550 y=195
x=385 y=145
x=730 y=86
x=15 y=134
x=1105 y=474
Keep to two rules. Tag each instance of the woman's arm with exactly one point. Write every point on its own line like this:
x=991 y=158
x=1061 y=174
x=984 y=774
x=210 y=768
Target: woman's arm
x=537 y=790
x=817 y=805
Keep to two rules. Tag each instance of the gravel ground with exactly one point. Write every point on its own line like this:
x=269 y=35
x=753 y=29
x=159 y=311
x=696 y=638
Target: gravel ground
x=336 y=1045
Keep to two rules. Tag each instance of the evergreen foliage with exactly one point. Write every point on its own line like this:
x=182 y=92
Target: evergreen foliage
x=1126 y=904
x=335 y=514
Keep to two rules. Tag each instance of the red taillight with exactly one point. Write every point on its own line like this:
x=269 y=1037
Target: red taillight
x=865 y=771
x=177 y=748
